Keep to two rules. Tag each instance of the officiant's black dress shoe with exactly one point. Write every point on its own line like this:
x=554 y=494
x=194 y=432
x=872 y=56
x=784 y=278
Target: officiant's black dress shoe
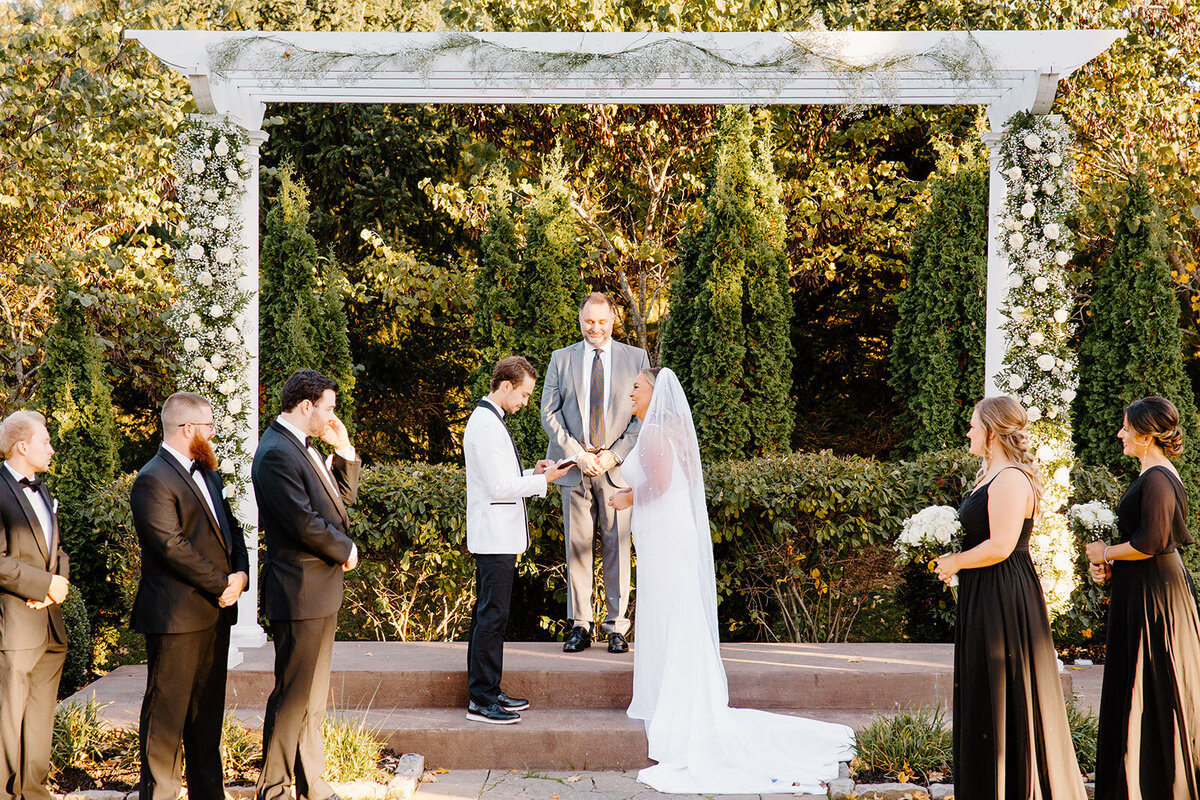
x=495 y=714
x=617 y=643
x=511 y=703
x=578 y=639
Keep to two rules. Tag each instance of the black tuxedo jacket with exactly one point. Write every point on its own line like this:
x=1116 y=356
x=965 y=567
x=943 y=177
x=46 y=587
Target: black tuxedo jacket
x=187 y=553
x=26 y=567
x=305 y=526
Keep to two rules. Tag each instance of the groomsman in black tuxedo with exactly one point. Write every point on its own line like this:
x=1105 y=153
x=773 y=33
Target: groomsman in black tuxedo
x=302 y=501
x=194 y=569
x=33 y=584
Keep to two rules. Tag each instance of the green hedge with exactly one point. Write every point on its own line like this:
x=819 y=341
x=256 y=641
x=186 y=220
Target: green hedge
x=803 y=545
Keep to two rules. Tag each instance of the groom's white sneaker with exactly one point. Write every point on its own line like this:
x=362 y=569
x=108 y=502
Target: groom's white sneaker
x=494 y=714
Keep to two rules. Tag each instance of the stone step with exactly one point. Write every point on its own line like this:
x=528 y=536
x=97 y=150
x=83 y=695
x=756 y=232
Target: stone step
x=554 y=738
x=432 y=675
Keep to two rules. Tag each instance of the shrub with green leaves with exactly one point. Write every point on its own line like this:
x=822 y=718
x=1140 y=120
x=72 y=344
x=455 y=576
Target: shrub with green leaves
x=79 y=644
x=1085 y=727
x=916 y=742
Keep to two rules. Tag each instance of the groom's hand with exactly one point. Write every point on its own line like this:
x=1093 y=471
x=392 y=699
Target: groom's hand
x=336 y=435
x=606 y=460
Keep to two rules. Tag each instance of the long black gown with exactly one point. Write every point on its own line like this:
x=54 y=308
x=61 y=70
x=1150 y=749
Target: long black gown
x=1149 y=743
x=1011 y=736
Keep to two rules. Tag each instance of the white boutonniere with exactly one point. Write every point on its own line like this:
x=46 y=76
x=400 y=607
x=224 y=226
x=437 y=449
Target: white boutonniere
x=54 y=506
x=225 y=492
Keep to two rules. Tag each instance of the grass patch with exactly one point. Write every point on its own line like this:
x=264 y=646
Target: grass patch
x=916 y=743
x=79 y=734
x=351 y=750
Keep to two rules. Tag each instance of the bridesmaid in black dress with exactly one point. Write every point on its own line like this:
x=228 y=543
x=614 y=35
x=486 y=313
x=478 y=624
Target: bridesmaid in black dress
x=1011 y=736
x=1149 y=744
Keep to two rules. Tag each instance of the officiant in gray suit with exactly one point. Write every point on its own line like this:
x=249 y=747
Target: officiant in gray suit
x=588 y=416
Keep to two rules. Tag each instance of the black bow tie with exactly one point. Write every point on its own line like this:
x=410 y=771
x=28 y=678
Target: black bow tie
x=195 y=467
x=307 y=442
x=32 y=483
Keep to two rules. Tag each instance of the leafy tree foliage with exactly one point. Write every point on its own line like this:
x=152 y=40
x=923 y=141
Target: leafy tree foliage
x=736 y=294
x=1131 y=343
x=936 y=354
x=87 y=127
x=301 y=325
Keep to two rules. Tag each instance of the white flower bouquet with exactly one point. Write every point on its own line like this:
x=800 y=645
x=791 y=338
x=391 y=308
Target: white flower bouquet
x=1095 y=518
x=928 y=534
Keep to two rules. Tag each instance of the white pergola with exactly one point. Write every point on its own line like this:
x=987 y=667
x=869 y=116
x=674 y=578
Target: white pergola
x=235 y=74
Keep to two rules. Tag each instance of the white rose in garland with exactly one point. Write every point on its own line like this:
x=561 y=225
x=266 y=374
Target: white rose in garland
x=1039 y=363
x=213 y=172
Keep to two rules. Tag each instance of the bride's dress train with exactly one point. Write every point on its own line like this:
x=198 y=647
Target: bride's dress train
x=679 y=686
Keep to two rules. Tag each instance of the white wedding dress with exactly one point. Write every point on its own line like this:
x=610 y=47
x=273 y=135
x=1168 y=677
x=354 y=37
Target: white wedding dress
x=702 y=746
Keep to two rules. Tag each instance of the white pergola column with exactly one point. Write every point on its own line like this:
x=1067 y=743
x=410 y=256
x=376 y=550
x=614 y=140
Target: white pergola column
x=999 y=270
x=247 y=632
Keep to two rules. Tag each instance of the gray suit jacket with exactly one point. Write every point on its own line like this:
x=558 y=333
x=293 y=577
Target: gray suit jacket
x=563 y=392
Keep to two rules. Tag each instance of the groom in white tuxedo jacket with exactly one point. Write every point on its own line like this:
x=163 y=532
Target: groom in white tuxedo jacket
x=497 y=532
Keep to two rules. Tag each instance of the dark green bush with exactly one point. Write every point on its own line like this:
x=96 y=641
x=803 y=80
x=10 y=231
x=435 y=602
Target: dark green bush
x=803 y=542
x=79 y=644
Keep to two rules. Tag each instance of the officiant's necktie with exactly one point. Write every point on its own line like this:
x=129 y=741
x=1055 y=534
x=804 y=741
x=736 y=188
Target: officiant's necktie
x=596 y=403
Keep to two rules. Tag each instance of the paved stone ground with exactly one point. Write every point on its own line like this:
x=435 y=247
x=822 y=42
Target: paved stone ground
x=474 y=784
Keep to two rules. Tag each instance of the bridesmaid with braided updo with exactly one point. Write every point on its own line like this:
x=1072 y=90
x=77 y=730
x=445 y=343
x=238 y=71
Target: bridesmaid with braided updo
x=1011 y=737
x=1149 y=742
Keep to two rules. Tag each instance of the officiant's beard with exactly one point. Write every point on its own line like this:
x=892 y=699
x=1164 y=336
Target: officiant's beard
x=202 y=453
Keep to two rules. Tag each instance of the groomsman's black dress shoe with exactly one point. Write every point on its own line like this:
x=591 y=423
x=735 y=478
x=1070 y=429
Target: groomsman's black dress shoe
x=511 y=703
x=617 y=643
x=495 y=714
x=578 y=639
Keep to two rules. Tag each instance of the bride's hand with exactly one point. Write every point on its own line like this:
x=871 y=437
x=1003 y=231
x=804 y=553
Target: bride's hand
x=621 y=500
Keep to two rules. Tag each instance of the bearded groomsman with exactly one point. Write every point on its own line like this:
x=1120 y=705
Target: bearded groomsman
x=194 y=569
x=33 y=585
x=497 y=531
x=302 y=501
x=587 y=414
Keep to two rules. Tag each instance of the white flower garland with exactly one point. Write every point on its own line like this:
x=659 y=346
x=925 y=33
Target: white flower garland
x=1039 y=366
x=210 y=312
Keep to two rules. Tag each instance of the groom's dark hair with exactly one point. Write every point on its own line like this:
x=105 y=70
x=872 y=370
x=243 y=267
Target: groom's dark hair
x=305 y=384
x=512 y=369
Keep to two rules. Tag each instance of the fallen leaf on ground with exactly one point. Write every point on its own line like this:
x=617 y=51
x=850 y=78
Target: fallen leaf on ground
x=854 y=659
x=574 y=778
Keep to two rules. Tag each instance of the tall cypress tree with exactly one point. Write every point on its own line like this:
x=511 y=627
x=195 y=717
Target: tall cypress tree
x=1131 y=344
x=496 y=329
x=731 y=291
x=686 y=282
x=937 y=347
x=548 y=291
x=75 y=397
x=301 y=324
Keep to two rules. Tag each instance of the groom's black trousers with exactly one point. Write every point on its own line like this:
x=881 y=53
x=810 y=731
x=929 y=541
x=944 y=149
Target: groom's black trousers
x=485 y=651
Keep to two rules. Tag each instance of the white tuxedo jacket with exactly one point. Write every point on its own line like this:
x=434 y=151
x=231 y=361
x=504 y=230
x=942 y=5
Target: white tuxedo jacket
x=496 y=487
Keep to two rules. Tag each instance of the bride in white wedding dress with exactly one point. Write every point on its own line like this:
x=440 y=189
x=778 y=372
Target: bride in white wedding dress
x=702 y=746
